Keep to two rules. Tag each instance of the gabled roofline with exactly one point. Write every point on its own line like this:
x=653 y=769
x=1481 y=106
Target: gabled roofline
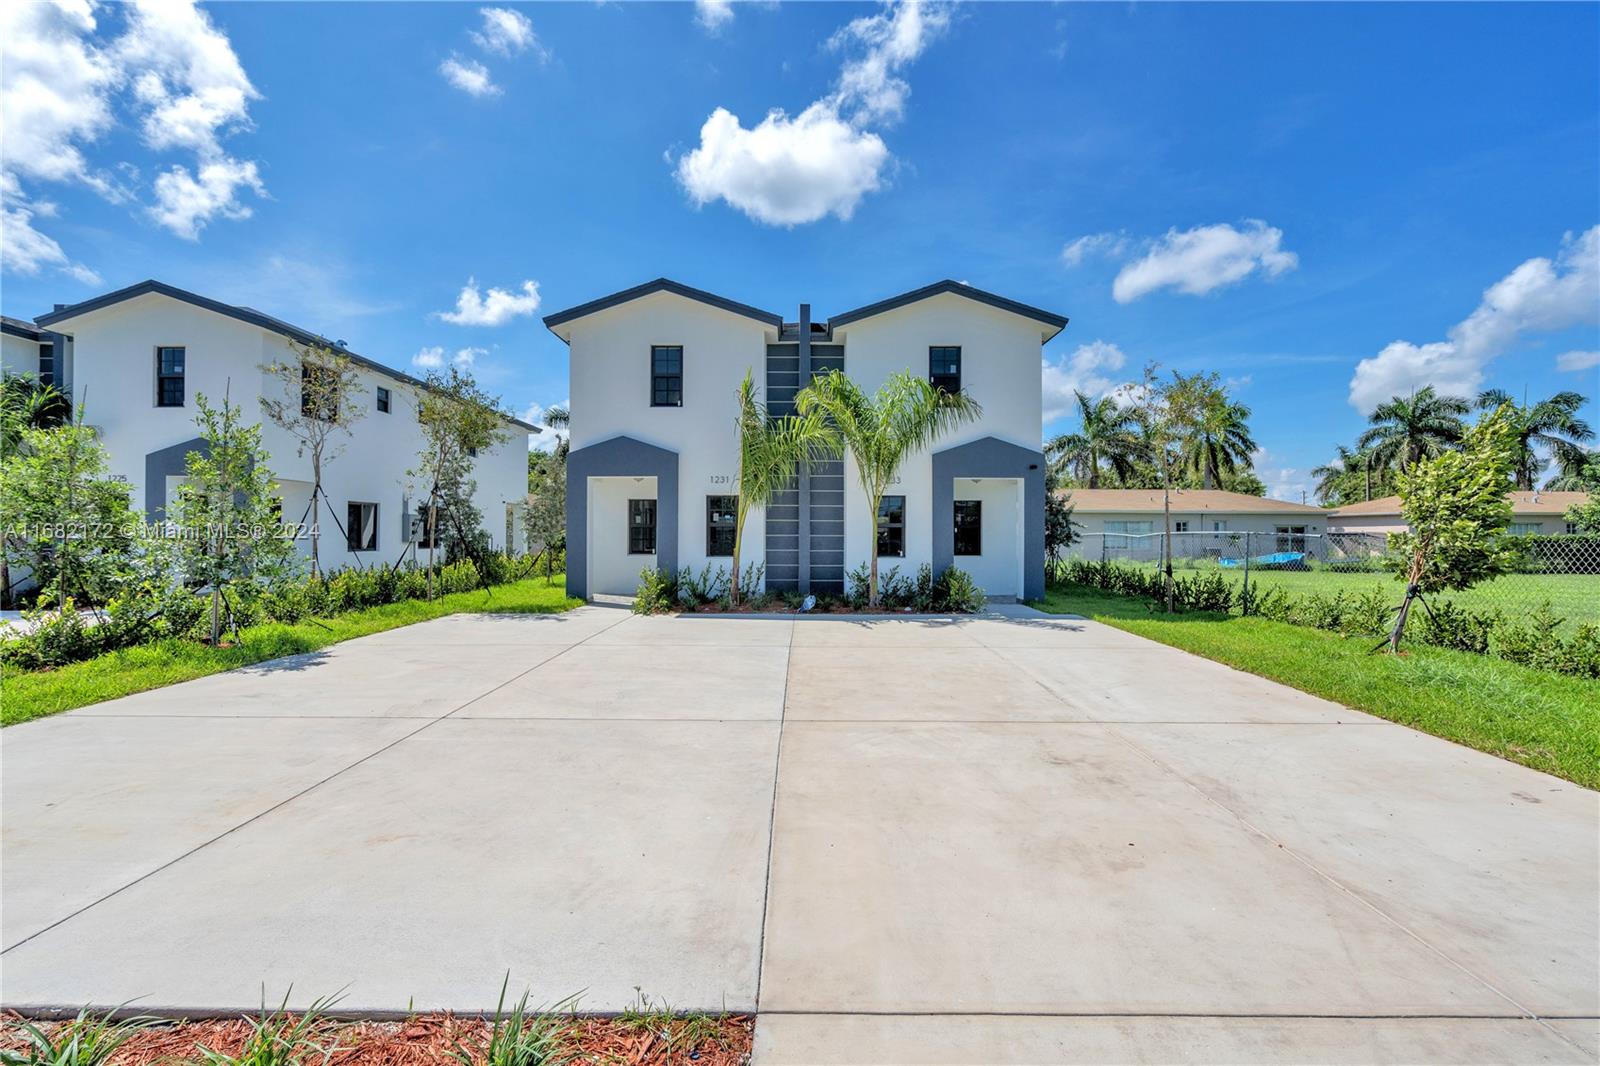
x=18 y=328
x=1049 y=318
x=649 y=288
x=242 y=314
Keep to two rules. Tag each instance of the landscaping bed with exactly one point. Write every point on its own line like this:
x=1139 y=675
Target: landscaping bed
x=1535 y=717
x=644 y=1036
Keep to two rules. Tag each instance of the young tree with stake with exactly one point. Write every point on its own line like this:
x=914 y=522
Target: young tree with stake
x=458 y=421
x=320 y=401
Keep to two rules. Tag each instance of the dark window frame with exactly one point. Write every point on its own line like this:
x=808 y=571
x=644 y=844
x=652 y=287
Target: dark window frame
x=177 y=396
x=641 y=535
x=666 y=380
x=968 y=529
x=940 y=374
x=383 y=400
x=47 y=363
x=720 y=534
x=890 y=530
x=352 y=526
x=307 y=372
x=430 y=524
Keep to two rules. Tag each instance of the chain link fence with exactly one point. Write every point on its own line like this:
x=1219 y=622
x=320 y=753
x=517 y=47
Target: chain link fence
x=1561 y=571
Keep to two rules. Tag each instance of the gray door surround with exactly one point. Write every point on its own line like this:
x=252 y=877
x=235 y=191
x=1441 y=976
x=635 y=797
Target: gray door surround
x=619 y=457
x=994 y=458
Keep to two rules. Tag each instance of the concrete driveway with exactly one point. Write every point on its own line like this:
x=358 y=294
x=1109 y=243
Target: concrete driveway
x=1002 y=839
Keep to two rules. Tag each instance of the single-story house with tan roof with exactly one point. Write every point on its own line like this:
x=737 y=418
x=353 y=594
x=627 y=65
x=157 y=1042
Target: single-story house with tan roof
x=1531 y=512
x=1115 y=517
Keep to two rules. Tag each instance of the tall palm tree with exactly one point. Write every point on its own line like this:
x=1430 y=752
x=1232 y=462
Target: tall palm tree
x=1553 y=423
x=559 y=418
x=1218 y=439
x=906 y=415
x=1576 y=473
x=1348 y=467
x=1408 y=429
x=1108 y=436
x=770 y=452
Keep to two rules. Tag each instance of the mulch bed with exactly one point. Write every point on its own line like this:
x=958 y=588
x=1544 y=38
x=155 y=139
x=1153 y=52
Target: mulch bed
x=433 y=1039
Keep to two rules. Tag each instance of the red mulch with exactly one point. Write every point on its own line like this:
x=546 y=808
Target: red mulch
x=431 y=1040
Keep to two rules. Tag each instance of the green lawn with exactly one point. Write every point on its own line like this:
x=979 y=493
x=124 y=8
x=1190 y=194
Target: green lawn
x=1545 y=720
x=1574 y=597
x=34 y=694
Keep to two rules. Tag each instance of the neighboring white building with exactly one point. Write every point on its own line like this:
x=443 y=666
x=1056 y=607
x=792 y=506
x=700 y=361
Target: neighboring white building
x=133 y=361
x=654 y=371
x=1537 y=511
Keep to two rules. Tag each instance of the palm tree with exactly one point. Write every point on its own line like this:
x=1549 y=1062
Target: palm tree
x=1219 y=439
x=1553 y=423
x=1108 y=435
x=770 y=452
x=1576 y=473
x=907 y=415
x=1408 y=429
x=560 y=418
x=1335 y=478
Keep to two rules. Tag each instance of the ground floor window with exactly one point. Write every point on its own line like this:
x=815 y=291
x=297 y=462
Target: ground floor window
x=722 y=513
x=969 y=527
x=641 y=527
x=892 y=527
x=1180 y=527
x=1517 y=529
x=429 y=527
x=1291 y=538
x=361 y=527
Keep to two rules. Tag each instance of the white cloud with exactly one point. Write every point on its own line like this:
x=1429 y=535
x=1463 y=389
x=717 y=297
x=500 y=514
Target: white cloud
x=1204 y=258
x=785 y=171
x=1574 y=362
x=1091 y=369
x=435 y=357
x=429 y=358
x=1111 y=245
x=1541 y=295
x=507 y=32
x=185 y=202
x=185 y=74
x=713 y=15
x=498 y=307
x=470 y=76
x=24 y=249
x=54 y=89
x=789 y=170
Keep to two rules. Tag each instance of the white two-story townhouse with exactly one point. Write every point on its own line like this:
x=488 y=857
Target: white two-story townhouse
x=653 y=466
x=134 y=361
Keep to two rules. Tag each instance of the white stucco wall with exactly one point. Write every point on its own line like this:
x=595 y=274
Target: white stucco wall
x=998 y=570
x=18 y=355
x=610 y=376
x=114 y=355
x=613 y=571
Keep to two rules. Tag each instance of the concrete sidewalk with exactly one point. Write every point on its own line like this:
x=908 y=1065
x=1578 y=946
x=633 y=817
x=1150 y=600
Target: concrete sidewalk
x=1011 y=838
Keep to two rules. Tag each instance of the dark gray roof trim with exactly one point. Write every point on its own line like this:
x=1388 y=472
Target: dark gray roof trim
x=243 y=314
x=1049 y=318
x=18 y=328
x=662 y=285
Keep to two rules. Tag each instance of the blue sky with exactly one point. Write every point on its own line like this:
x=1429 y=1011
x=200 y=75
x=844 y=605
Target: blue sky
x=1324 y=204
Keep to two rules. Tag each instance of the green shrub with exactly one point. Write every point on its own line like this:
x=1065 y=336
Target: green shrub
x=1446 y=625
x=708 y=586
x=656 y=592
x=955 y=592
x=87 y=1040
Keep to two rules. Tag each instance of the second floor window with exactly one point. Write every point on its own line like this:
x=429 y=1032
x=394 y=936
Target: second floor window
x=666 y=375
x=383 y=400
x=944 y=369
x=722 y=514
x=892 y=527
x=169 y=377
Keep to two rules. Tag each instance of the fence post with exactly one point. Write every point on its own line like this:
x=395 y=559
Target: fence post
x=1245 y=603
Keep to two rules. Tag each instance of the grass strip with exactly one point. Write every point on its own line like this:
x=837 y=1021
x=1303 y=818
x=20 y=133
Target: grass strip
x=26 y=695
x=1544 y=720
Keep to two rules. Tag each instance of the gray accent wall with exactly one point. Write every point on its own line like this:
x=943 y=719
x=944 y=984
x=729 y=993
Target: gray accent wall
x=824 y=501
x=162 y=464
x=619 y=457
x=991 y=457
x=783 y=513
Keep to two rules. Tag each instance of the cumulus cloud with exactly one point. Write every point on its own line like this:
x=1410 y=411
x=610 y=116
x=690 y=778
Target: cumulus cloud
x=176 y=73
x=470 y=76
x=1290 y=483
x=1574 y=362
x=496 y=308
x=23 y=248
x=435 y=357
x=1111 y=245
x=506 y=32
x=713 y=15
x=1091 y=369
x=1541 y=295
x=1198 y=260
x=789 y=170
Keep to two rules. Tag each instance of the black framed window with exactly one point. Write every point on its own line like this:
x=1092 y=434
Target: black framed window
x=169 y=377
x=666 y=375
x=47 y=364
x=944 y=368
x=892 y=527
x=1180 y=527
x=383 y=400
x=969 y=527
x=361 y=527
x=641 y=527
x=317 y=399
x=722 y=514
